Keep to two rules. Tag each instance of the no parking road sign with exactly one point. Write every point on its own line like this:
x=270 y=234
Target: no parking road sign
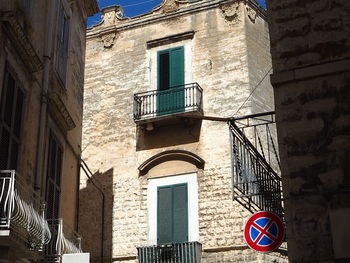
x=264 y=232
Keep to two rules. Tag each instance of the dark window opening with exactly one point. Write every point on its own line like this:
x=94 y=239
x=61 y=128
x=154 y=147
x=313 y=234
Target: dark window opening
x=54 y=169
x=11 y=111
x=62 y=44
x=164 y=67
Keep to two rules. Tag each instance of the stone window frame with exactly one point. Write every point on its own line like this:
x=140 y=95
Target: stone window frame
x=193 y=204
x=171 y=42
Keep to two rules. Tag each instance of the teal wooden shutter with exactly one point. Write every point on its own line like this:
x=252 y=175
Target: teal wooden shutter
x=164 y=224
x=172 y=215
x=171 y=75
x=180 y=214
x=177 y=79
x=177 y=65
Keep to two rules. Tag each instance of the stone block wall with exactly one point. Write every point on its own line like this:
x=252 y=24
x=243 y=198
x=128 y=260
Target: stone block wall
x=308 y=32
x=119 y=64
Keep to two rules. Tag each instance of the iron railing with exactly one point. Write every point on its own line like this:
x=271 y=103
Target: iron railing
x=189 y=252
x=261 y=131
x=64 y=241
x=155 y=103
x=255 y=184
x=22 y=212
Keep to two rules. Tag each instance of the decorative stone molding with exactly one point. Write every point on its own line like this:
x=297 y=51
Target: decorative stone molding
x=60 y=113
x=251 y=14
x=171 y=155
x=170 y=6
x=20 y=41
x=170 y=39
x=231 y=11
x=108 y=39
x=110 y=14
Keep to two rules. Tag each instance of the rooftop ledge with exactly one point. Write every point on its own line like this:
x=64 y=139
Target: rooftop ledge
x=113 y=17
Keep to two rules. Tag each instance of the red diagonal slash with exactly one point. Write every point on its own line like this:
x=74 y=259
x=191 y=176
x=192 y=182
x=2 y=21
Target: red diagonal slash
x=263 y=231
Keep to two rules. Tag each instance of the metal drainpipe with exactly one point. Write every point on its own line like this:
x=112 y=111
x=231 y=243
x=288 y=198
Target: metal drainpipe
x=89 y=174
x=44 y=98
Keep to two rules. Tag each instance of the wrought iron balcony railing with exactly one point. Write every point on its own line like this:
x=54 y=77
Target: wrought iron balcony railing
x=64 y=241
x=255 y=184
x=22 y=212
x=189 y=252
x=179 y=99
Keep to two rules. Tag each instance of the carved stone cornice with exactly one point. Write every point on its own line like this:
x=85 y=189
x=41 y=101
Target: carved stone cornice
x=251 y=12
x=170 y=6
x=157 y=15
x=110 y=15
x=60 y=113
x=170 y=39
x=20 y=41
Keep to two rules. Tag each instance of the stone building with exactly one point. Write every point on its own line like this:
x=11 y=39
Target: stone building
x=310 y=55
x=42 y=50
x=165 y=175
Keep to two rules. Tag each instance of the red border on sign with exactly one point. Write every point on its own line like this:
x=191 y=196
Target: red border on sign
x=277 y=240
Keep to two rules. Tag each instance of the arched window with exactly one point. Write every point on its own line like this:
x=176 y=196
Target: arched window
x=172 y=196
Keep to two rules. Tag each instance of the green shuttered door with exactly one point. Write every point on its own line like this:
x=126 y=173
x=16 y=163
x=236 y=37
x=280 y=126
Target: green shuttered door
x=171 y=78
x=172 y=225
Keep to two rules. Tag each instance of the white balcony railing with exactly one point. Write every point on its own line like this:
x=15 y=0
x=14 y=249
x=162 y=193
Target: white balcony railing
x=64 y=241
x=174 y=100
x=22 y=212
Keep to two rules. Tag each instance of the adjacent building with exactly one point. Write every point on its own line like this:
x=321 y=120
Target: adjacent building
x=42 y=50
x=160 y=185
x=310 y=55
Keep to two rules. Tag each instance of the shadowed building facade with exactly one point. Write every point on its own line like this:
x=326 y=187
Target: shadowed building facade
x=42 y=50
x=310 y=55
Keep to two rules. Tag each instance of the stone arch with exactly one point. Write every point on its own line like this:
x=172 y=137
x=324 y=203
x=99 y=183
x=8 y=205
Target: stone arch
x=168 y=156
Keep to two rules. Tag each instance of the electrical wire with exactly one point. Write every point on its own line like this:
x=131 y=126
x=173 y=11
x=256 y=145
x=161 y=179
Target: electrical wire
x=251 y=93
x=141 y=3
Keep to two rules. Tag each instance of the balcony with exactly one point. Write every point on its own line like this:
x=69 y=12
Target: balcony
x=190 y=252
x=22 y=214
x=64 y=241
x=157 y=105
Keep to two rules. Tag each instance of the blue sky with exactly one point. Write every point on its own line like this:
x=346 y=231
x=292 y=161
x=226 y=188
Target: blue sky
x=132 y=7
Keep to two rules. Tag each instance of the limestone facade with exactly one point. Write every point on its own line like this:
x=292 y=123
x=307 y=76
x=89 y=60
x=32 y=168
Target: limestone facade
x=310 y=55
x=42 y=50
x=226 y=51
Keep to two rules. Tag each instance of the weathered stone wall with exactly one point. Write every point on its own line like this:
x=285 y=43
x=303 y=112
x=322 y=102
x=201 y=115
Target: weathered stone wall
x=310 y=51
x=118 y=64
x=308 y=32
x=259 y=61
